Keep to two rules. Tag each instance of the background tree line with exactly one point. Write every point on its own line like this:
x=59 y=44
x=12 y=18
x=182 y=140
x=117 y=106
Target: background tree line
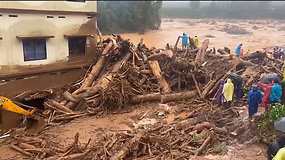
x=128 y=16
x=226 y=9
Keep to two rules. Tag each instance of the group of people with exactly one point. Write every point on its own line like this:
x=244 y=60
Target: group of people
x=278 y=53
x=228 y=90
x=239 y=51
x=185 y=41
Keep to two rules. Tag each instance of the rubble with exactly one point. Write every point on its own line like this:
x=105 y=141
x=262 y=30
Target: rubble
x=127 y=74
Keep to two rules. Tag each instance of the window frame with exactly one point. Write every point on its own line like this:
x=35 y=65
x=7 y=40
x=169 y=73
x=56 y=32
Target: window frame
x=76 y=36
x=34 y=49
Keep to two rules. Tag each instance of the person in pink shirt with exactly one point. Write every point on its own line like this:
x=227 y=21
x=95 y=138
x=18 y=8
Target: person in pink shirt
x=266 y=96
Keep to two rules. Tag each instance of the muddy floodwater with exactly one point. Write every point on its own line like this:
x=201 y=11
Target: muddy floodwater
x=261 y=33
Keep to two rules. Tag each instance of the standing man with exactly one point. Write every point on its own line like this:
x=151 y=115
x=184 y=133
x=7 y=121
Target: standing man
x=266 y=96
x=220 y=96
x=196 y=41
x=254 y=98
x=184 y=40
x=228 y=92
x=276 y=92
x=238 y=50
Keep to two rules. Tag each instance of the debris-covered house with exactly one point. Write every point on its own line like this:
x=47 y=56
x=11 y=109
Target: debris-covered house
x=46 y=32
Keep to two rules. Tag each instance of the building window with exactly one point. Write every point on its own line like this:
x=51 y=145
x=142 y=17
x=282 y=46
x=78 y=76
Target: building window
x=34 y=49
x=76 y=0
x=76 y=46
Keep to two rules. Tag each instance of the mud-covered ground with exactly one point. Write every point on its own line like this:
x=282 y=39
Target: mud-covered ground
x=261 y=33
x=243 y=147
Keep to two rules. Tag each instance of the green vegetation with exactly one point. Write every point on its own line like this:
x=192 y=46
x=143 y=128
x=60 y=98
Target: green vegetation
x=128 y=16
x=225 y=9
x=276 y=112
x=220 y=148
x=197 y=137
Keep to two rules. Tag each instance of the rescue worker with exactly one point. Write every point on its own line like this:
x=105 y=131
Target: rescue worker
x=275 y=53
x=266 y=96
x=276 y=92
x=196 y=41
x=184 y=40
x=280 y=154
x=238 y=50
x=274 y=148
x=254 y=98
x=247 y=52
x=220 y=97
x=228 y=92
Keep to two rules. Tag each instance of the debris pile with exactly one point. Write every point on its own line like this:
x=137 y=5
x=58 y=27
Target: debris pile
x=127 y=74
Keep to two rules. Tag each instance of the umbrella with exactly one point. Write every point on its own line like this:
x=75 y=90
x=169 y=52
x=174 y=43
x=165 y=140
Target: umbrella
x=271 y=77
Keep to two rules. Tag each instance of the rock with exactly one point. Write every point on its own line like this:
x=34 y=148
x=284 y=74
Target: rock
x=233 y=29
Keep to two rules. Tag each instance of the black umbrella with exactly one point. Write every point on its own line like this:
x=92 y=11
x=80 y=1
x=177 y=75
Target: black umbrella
x=271 y=77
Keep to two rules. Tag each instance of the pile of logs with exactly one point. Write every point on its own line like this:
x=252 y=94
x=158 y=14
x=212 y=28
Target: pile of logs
x=126 y=74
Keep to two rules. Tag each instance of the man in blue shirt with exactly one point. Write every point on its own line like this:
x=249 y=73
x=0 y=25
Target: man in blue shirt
x=184 y=40
x=276 y=92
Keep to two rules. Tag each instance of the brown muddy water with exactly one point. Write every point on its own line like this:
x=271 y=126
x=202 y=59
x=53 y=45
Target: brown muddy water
x=264 y=33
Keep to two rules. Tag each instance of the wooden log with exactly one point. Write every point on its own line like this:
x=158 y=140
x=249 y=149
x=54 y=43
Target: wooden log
x=192 y=43
x=75 y=142
x=176 y=43
x=68 y=96
x=21 y=150
x=200 y=57
x=96 y=69
x=155 y=68
x=196 y=85
x=201 y=126
x=203 y=146
x=208 y=88
x=221 y=51
x=101 y=83
x=32 y=148
x=227 y=50
x=257 y=54
x=186 y=123
x=128 y=146
x=76 y=156
x=59 y=106
x=51 y=109
x=63 y=117
x=166 y=97
x=98 y=66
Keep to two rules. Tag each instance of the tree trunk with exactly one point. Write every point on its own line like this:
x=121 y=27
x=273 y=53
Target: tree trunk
x=154 y=66
x=101 y=83
x=59 y=106
x=98 y=66
x=200 y=57
x=221 y=51
x=166 y=98
x=128 y=146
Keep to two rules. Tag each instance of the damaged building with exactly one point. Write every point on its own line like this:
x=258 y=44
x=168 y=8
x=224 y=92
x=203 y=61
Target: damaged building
x=42 y=33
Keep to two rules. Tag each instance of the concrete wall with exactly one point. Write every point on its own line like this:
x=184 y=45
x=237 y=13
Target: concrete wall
x=37 y=24
x=88 y=6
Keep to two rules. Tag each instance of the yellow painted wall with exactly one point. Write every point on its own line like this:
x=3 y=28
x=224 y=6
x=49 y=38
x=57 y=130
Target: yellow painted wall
x=87 y=6
x=11 y=48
